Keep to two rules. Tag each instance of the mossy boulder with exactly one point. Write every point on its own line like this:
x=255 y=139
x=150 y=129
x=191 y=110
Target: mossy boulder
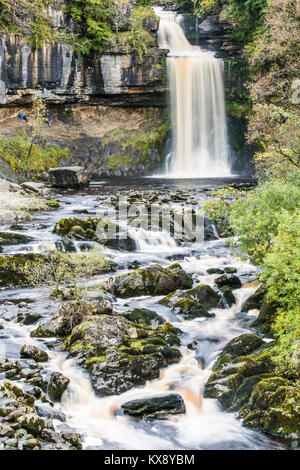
x=274 y=407
x=11 y=238
x=32 y=352
x=155 y=407
x=192 y=303
x=57 y=326
x=190 y=309
x=103 y=231
x=143 y=316
x=13 y=269
x=152 y=280
x=244 y=380
x=228 y=298
x=267 y=314
x=228 y=281
x=255 y=300
x=122 y=354
x=242 y=345
x=58 y=383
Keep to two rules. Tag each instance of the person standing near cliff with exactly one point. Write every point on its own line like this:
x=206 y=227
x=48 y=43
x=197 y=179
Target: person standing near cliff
x=49 y=120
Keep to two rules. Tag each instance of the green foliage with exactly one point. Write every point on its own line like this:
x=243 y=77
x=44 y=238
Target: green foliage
x=281 y=274
x=30 y=19
x=138 y=38
x=256 y=218
x=93 y=18
x=246 y=17
x=220 y=206
x=59 y=268
x=15 y=150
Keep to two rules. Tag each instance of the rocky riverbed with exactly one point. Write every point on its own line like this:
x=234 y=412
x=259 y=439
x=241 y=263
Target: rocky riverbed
x=99 y=340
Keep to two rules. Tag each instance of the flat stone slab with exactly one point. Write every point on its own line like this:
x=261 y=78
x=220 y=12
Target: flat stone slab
x=69 y=177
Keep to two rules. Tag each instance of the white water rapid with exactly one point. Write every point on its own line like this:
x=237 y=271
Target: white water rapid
x=200 y=147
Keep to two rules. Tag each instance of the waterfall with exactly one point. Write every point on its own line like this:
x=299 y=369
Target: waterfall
x=197 y=102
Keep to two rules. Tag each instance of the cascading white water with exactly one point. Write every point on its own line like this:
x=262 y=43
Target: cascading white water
x=197 y=105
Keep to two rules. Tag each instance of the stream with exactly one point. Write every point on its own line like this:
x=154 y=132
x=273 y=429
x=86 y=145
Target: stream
x=99 y=420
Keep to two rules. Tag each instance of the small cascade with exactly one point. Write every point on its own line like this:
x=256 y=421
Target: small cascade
x=197 y=101
x=146 y=240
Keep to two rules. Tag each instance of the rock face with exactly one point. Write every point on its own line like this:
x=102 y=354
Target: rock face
x=69 y=177
x=155 y=407
x=121 y=354
x=152 y=280
x=244 y=380
x=58 y=75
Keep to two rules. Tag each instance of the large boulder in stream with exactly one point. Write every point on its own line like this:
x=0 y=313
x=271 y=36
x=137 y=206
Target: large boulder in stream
x=32 y=352
x=244 y=380
x=155 y=407
x=152 y=280
x=69 y=177
x=96 y=229
x=58 y=383
x=192 y=303
x=121 y=354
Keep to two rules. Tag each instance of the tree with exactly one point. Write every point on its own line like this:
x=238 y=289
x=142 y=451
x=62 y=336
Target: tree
x=36 y=121
x=121 y=8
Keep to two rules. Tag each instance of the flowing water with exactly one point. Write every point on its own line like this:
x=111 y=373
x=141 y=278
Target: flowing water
x=200 y=146
x=99 y=420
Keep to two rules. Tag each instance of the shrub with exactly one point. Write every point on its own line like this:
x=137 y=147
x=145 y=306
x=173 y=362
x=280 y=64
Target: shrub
x=281 y=274
x=256 y=218
x=16 y=152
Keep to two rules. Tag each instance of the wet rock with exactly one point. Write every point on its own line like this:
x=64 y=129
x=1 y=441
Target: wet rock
x=254 y=301
x=189 y=309
x=32 y=423
x=152 y=280
x=96 y=229
x=230 y=270
x=32 y=352
x=57 y=326
x=47 y=411
x=244 y=380
x=274 y=407
x=29 y=318
x=263 y=323
x=120 y=354
x=193 y=302
x=69 y=177
x=36 y=187
x=242 y=345
x=11 y=238
x=58 y=383
x=227 y=296
x=155 y=407
x=143 y=316
x=22 y=427
x=228 y=281
x=215 y=271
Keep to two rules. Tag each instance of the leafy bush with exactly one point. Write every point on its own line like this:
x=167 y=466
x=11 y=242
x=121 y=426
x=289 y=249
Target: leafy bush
x=138 y=38
x=256 y=218
x=281 y=275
